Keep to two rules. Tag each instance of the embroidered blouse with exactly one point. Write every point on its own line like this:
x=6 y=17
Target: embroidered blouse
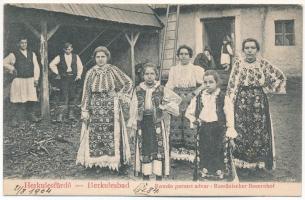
x=107 y=78
x=257 y=74
x=209 y=111
x=185 y=76
x=170 y=103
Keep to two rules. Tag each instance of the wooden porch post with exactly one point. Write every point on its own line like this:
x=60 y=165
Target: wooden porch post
x=132 y=41
x=45 y=106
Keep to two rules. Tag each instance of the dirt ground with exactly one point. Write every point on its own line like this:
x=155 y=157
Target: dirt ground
x=49 y=150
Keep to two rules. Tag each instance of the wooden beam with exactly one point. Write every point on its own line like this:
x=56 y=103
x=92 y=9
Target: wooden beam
x=136 y=38
x=132 y=59
x=128 y=39
x=45 y=107
x=132 y=41
x=36 y=33
x=92 y=41
x=53 y=31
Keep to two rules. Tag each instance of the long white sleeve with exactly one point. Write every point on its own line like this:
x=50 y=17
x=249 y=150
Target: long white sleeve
x=199 y=73
x=190 y=112
x=171 y=102
x=230 y=50
x=170 y=81
x=53 y=64
x=229 y=112
x=133 y=112
x=9 y=61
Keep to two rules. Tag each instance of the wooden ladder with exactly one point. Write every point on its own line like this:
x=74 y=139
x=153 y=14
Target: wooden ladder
x=169 y=44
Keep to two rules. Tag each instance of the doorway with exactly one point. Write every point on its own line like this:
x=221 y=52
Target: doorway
x=214 y=30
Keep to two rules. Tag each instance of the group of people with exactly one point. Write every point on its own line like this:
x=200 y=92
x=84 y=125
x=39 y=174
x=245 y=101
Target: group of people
x=206 y=59
x=23 y=65
x=190 y=118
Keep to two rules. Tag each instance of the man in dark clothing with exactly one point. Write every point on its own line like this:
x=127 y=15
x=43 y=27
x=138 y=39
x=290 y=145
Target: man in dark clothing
x=68 y=69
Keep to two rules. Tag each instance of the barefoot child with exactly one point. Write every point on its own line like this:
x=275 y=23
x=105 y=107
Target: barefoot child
x=147 y=109
x=207 y=111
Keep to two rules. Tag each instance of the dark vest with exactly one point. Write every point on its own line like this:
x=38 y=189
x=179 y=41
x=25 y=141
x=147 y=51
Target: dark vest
x=219 y=106
x=157 y=97
x=24 y=65
x=62 y=67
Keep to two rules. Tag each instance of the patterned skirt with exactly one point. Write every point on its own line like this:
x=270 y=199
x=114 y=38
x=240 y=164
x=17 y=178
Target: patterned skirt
x=182 y=137
x=253 y=125
x=104 y=140
x=101 y=136
x=150 y=140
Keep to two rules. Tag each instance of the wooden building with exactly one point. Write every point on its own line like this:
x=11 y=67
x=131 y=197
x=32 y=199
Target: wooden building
x=129 y=31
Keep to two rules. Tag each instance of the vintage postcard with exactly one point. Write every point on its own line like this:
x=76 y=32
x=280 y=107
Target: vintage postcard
x=152 y=99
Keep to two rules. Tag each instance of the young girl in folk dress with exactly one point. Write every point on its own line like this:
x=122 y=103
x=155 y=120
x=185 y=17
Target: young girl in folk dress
x=208 y=111
x=149 y=103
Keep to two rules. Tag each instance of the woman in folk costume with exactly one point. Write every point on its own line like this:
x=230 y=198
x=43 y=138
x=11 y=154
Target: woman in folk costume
x=104 y=140
x=251 y=78
x=184 y=79
x=149 y=103
x=226 y=53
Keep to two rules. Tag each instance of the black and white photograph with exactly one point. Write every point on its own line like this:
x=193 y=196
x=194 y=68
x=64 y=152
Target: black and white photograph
x=152 y=99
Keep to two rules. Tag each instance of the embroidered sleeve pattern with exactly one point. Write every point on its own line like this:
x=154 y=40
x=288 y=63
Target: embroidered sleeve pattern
x=234 y=80
x=133 y=112
x=123 y=84
x=170 y=81
x=275 y=80
x=171 y=101
x=87 y=91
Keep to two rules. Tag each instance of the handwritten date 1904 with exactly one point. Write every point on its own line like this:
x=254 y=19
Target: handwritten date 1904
x=20 y=190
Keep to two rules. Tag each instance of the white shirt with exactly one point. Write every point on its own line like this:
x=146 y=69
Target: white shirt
x=185 y=76
x=68 y=59
x=148 y=102
x=208 y=112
